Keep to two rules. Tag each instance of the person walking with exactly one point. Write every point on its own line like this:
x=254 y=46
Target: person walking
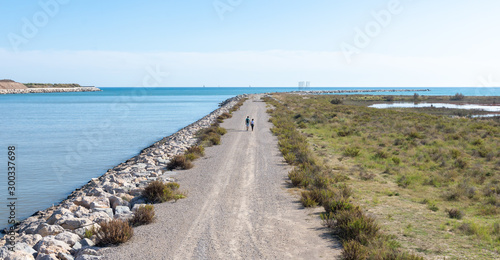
x=252 y=124
x=247 y=122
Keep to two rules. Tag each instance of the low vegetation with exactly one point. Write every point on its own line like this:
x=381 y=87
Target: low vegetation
x=114 y=232
x=180 y=162
x=158 y=192
x=420 y=175
x=358 y=230
x=144 y=215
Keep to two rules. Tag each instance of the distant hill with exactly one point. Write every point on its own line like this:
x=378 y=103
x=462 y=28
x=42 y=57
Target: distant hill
x=10 y=84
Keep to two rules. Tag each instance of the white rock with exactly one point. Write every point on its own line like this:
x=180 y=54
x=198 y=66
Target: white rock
x=45 y=229
x=63 y=256
x=101 y=202
x=19 y=255
x=24 y=248
x=50 y=245
x=87 y=243
x=30 y=226
x=29 y=239
x=85 y=201
x=41 y=256
x=88 y=253
x=75 y=223
x=100 y=216
x=108 y=211
x=56 y=215
x=122 y=210
x=68 y=238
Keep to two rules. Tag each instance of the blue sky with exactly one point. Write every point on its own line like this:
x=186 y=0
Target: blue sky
x=337 y=43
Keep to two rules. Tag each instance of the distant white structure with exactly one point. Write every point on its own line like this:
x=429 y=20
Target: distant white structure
x=304 y=84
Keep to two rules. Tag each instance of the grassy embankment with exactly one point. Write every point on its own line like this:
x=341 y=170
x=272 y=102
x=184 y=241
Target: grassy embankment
x=431 y=182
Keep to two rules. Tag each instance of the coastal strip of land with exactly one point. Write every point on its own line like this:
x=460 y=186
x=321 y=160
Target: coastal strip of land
x=60 y=232
x=344 y=91
x=48 y=90
x=238 y=207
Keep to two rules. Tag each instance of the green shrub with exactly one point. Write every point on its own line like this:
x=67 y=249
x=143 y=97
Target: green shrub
x=298 y=178
x=290 y=158
x=432 y=206
x=455 y=213
x=197 y=150
x=344 y=131
x=457 y=96
x=214 y=139
x=221 y=131
x=353 y=250
x=353 y=224
x=154 y=192
x=351 y=151
x=225 y=115
x=114 y=232
x=190 y=156
x=144 y=215
x=328 y=219
x=157 y=192
x=336 y=101
x=90 y=232
x=404 y=181
x=396 y=160
x=337 y=204
x=179 y=162
x=381 y=155
x=308 y=200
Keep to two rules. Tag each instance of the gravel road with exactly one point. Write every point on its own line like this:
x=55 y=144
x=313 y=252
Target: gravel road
x=239 y=205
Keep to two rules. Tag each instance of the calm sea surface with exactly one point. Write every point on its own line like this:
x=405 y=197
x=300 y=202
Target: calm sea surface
x=63 y=140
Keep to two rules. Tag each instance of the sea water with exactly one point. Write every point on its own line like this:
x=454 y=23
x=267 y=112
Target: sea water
x=62 y=140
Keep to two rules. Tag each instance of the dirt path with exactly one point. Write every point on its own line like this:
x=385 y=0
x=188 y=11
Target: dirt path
x=238 y=205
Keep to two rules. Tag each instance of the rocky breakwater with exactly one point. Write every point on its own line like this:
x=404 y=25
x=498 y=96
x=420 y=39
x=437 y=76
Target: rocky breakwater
x=61 y=232
x=48 y=90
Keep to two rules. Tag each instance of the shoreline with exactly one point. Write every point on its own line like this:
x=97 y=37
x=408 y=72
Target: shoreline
x=47 y=90
x=307 y=92
x=113 y=195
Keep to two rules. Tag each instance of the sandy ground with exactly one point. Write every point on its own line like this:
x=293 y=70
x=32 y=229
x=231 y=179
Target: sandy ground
x=239 y=205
